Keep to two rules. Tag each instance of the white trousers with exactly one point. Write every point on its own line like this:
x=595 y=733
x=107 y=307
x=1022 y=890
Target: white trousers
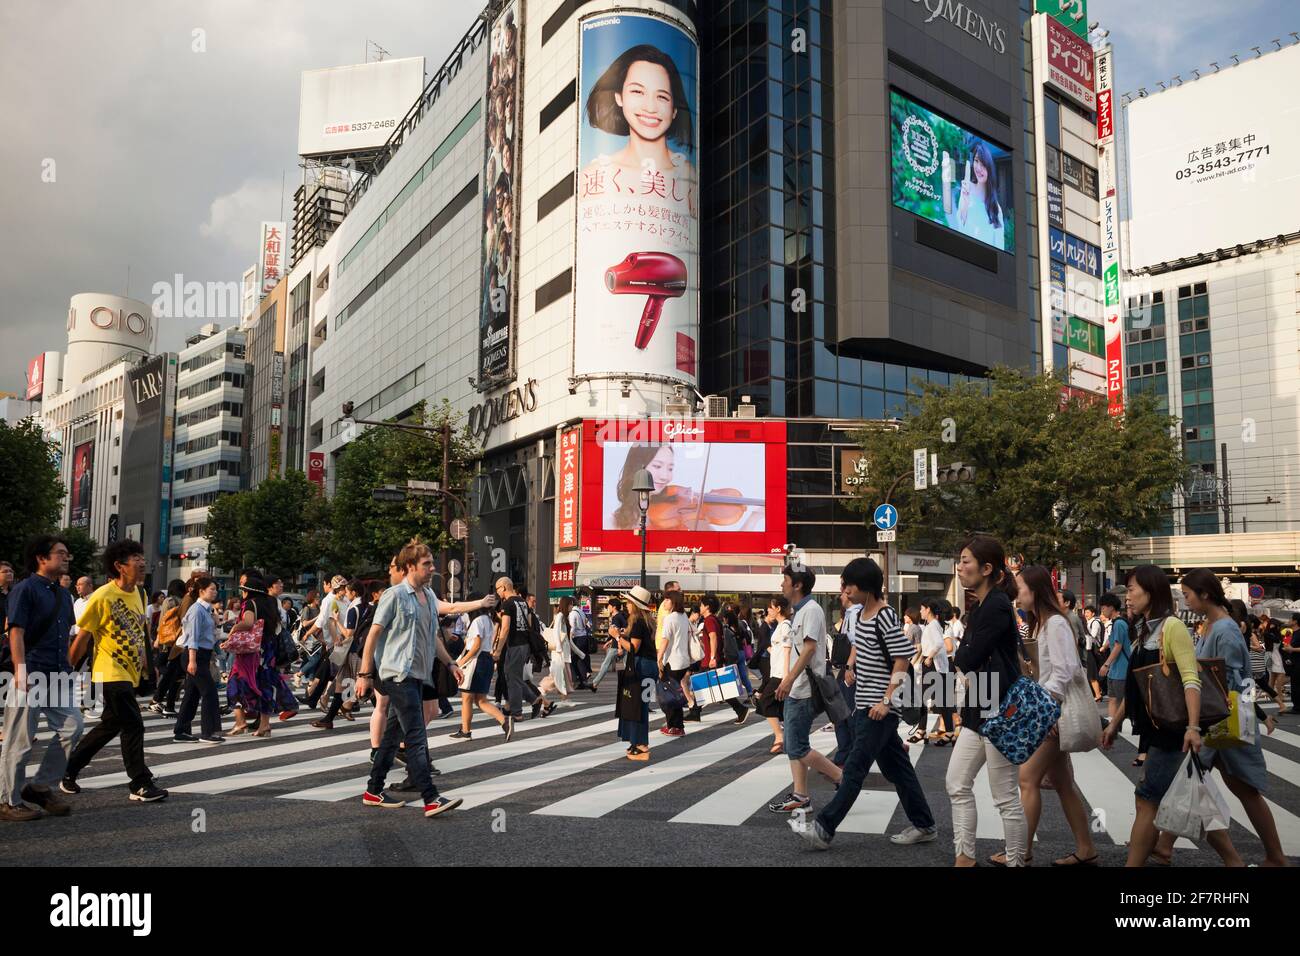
x=970 y=753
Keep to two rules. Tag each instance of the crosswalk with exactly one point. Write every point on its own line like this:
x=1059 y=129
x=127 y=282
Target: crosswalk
x=571 y=765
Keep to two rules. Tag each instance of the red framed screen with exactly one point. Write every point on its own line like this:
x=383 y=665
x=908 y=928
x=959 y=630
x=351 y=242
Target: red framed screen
x=720 y=485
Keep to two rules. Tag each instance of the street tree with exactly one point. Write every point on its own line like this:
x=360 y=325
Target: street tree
x=227 y=529
x=287 y=525
x=1054 y=480
x=367 y=533
x=29 y=487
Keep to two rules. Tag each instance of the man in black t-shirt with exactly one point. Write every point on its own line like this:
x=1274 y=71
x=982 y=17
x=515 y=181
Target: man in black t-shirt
x=514 y=622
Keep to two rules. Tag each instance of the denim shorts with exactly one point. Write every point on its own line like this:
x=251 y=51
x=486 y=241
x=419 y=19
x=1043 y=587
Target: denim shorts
x=798 y=718
x=1158 y=773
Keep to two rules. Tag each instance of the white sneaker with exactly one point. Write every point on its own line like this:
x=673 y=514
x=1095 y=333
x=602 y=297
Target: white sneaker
x=913 y=835
x=811 y=831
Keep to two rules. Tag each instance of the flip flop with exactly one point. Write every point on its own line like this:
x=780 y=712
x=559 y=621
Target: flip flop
x=1158 y=860
x=777 y=749
x=1079 y=861
x=1003 y=862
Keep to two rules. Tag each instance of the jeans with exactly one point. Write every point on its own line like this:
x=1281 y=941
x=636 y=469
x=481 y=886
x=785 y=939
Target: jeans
x=171 y=676
x=611 y=655
x=121 y=716
x=308 y=669
x=20 y=723
x=742 y=671
x=797 y=720
x=199 y=689
x=405 y=723
x=877 y=741
x=969 y=754
x=516 y=657
x=844 y=729
x=582 y=667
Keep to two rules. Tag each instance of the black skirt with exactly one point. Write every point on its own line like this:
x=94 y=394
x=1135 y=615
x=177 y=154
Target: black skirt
x=768 y=705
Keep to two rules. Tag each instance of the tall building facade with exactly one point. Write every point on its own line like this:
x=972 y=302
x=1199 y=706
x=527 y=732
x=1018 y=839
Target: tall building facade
x=1210 y=313
x=264 y=424
x=208 y=450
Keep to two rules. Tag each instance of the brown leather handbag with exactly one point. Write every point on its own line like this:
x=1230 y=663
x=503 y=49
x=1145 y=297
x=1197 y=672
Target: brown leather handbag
x=1161 y=687
x=1029 y=658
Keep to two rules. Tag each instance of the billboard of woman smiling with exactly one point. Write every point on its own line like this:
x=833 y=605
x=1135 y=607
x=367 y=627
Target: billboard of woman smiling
x=637 y=250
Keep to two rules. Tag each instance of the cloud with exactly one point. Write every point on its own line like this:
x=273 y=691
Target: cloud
x=234 y=217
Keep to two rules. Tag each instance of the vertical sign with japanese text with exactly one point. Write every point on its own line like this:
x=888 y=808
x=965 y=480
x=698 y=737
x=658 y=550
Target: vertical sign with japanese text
x=568 y=480
x=1069 y=65
x=1108 y=163
x=270 y=259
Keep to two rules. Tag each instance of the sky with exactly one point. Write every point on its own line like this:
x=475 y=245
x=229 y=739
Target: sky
x=165 y=157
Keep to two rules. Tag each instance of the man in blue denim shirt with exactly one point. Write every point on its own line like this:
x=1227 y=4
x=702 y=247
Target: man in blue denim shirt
x=404 y=641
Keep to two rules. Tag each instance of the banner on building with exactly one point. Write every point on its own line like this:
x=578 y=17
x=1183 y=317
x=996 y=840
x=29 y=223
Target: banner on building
x=81 y=485
x=568 y=496
x=1069 y=65
x=35 y=378
x=270 y=259
x=499 y=294
x=316 y=469
x=636 y=274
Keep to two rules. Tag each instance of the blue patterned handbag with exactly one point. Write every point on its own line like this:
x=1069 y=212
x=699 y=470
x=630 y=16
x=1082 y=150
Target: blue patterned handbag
x=1023 y=720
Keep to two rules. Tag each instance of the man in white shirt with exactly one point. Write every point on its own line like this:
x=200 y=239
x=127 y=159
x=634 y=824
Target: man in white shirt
x=579 y=634
x=808 y=640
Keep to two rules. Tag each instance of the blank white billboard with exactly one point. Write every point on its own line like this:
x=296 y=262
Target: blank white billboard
x=1216 y=162
x=349 y=108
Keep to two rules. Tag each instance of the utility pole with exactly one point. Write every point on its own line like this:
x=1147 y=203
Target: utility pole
x=446 y=505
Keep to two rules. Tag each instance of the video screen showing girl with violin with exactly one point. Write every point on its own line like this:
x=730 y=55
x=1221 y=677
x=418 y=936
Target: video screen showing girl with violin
x=699 y=486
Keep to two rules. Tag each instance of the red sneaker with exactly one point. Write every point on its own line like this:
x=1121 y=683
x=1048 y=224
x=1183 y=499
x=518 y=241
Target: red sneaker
x=286 y=714
x=441 y=805
x=384 y=800
x=672 y=731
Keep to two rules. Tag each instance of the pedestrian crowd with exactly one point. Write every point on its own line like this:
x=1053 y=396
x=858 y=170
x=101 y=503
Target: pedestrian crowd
x=1011 y=683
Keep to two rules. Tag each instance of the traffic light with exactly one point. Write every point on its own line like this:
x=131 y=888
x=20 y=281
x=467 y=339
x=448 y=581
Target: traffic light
x=389 y=493
x=957 y=473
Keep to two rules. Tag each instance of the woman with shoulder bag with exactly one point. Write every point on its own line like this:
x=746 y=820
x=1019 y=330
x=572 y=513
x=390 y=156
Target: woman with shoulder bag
x=1160 y=637
x=631 y=706
x=1242 y=767
x=1061 y=675
x=988 y=657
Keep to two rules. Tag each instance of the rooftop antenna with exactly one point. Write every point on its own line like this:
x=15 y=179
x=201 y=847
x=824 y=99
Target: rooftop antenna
x=1236 y=60
x=1178 y=78
x=1278 y=42
x=1296 y=35
x=380 y=52
x=1257 y=53
x=1216 y=67
x=1198 y=73
x=1162 y=85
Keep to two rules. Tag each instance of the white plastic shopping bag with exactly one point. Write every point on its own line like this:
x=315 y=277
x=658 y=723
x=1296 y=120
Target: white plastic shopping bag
x=1194 y=804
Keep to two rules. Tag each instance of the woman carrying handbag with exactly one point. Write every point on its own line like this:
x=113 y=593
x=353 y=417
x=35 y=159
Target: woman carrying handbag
x=1062 y=676
x=1161 y=641
x=631 y=706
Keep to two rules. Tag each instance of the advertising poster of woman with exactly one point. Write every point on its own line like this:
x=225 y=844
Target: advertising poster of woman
x=699 y=486
x=637 y=248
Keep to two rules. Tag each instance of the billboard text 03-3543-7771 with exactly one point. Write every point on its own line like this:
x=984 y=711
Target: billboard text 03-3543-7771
x=636 y=276
x=1216 y=162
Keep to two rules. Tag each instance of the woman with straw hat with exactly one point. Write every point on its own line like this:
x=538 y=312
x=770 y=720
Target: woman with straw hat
x=631 y=705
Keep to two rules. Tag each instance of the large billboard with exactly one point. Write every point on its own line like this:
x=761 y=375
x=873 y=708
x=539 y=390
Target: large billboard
x=81 y=485
x=500 y=207
x=35 y=378
x=947 y=174
x=347 y=109
x=1216 y=162
x=1069 y=65
x=719 y=486
x=636 y=275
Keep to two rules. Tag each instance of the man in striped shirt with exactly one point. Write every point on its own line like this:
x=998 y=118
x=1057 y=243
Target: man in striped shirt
x=878 y=669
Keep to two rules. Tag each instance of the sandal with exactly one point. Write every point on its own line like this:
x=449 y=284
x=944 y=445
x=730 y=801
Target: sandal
x=1159 y=860
x=943 y=740
x=1139 y=761
x=1003 y=862
x=1078 y=860
x=778 y=748
x=638 y=753
x=236 y=731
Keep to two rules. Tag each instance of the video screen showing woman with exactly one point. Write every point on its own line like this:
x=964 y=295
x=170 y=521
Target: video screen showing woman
x=714 y=486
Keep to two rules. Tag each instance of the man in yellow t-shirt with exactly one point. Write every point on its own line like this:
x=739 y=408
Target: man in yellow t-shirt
x=114 y=620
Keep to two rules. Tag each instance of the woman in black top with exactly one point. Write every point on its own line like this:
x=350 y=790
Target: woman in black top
x=988 y=659
x=631 y=705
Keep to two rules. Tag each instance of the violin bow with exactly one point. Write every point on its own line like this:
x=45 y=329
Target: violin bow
x=704 y=483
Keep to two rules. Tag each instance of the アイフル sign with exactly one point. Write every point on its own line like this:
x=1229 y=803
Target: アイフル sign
x=1070 y=65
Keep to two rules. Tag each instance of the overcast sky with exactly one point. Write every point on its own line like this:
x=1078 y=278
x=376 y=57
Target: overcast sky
x=166 y=159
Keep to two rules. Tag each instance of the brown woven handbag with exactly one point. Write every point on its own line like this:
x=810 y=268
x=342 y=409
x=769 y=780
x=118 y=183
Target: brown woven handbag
x=1162 y=692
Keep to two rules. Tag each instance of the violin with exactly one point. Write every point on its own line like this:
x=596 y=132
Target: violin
x=678 y=508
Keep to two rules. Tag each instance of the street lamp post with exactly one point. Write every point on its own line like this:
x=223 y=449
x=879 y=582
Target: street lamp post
x=643 y=485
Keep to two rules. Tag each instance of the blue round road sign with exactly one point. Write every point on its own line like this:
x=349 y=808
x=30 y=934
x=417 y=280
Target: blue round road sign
x=886 y=517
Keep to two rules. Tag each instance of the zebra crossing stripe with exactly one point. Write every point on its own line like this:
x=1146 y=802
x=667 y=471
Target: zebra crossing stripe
x=346 y=789
x=223 y=758
x=1108 y=791
x=269 y=775
x=625 y=788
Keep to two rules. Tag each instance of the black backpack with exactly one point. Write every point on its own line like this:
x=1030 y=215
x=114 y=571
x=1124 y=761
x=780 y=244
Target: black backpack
x=730 y=646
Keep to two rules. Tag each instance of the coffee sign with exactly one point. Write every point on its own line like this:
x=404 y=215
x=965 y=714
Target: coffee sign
x=853 y=472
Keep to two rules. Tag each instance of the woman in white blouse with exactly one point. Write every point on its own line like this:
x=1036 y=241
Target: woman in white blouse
x=1058 y=665
x=674 y=657
x=934 y=659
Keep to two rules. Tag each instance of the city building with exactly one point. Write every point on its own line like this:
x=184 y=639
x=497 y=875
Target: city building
x=110 y=413
x=1210 y=318
x=842 y=205
x=264 y=385
x=208 y=450
x=14 y=409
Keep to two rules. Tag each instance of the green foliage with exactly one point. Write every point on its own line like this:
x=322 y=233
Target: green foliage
x=279 y=527
x=29 y=487
x=227 y=525
x=1052 y=482
x=85 y=554
x=367 y=533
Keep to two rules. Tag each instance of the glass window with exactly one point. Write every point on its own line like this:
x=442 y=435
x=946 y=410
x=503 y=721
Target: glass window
x=825 y=399
x=896 y=378
x=873 y=403
x=850 y=401
x=1051 y=122
x=873 y=374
